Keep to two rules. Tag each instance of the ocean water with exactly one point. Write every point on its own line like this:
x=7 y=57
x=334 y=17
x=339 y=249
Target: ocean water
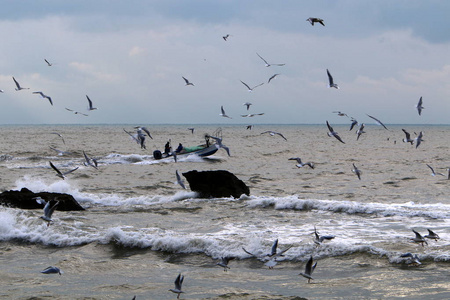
x=140 y=229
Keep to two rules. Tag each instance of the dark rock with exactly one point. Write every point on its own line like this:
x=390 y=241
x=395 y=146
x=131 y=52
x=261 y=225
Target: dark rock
x=216 y=184
x=24 y=199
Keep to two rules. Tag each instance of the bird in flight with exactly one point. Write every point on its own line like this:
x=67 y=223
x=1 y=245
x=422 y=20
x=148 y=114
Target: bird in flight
x=272 y=77
x=301 y=164
x=357 y=171
x=179 y=180
x=334 y=133
x=249 y=88
x=18 y=87
x=267 y=64
x=178 y=284
x=223 y=114
x=272 y=133
x=59 y=173
x=247 y=104
x=331 y=81
x=252 y=115
x=419 y=106
x=44 y=96
x=315 y=20
x=48 y=63
x=225 y=37
x=48 y=209
x=90 y=104
x=187 y=81
x=309 y=269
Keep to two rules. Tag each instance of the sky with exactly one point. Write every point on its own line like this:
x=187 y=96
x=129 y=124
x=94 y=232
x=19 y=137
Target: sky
x=129 y=57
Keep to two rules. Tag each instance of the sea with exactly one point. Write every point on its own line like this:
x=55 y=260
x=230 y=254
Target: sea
x=140 y=229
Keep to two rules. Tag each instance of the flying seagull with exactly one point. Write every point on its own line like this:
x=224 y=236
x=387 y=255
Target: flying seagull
x=249 y=127
x=179 y=180
x=315 y=20
x=432 y=171
x=360 y=131
x=58 y=134
x=418 y=139
x=309 y=269
x=319 y=239
x=224 y=262
x=90 y=104
x=408 y=137
x=273 y=251
x=431 y=235
x=331 y=82
x=48 y=63
x=178 y=283
x=357 y=171
x=301 y=164
x=48 y=209
x=225 y=37
x=60 y=152
x=419 y=106
x=191 y=129
x=249 y=88
x=267 y=64
x=187 y=81
x=340 y=114
x=272 y=77
x=44 y=96
x=418 y=238
x=220 y=145
x=272 y=133
x=59 y=173
x=223 y=114
x=331 y=132
x=378 y=121
x=411 y=259
x=18 y=87
x=90 y=161
x=76 y=112
x=354 y=122
x=252 y=115
x=247 y=104
x=145 y=129
x=52 y=270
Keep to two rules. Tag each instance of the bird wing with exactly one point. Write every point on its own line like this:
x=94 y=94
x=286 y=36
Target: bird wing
x=180 y=182
x=408 y=136
x=147 y=131
x=90 y=102
x=273 y=76
x=17 y=84
x=70 y=171
x=246 y=85
x=54 y=168
x=329 y=127
x=262 y=58
x=378 y=121
x=257 y=85
x=48 y=211
x=249 y=253
x=281 y=136
x=330 y=78
x=274 y=248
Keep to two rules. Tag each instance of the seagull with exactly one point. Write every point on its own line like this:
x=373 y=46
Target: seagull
x=223 y=114
x=360 y=131
x=319 y=239
x=225 y=37
x=52 y=270
x=44 y=96
x=224 y=262
x=357 y=171
x=134 y=137
x=18 y=87
x=60 y=152
x=418 y=139
x=59 y=173
x=300 y=164
x=331 y=82
x=48 y=210
x=145 y=129
x=141 y=139
x=354 y=122
x=432 y=171
x=178 y=283
x=411 y=259
x=58 y=134
x=340 y=114
x=431 y=235
x=408 y=137
x=273 y=251
x=90 y=161
x=272 y=77
x=333 y=133
x=75 y=112
x=247 y=104
x=191 y=129
x=220 y=145
x=249 y=88
x=272 y=133
x=249 y=127
x=48 y=63
x=187 y=81
x=419 y=106
x=179 y=180
x=252 y=115
x=90 y=104
x=267 y=64
x=309 y=269
x=418 y=238
x=378 y=121
x=315 y=20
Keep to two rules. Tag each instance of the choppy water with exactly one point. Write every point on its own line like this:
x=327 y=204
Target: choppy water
x=140 y=229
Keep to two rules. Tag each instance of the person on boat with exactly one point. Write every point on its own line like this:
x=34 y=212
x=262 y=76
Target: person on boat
x=180 y=148
x=167 y=148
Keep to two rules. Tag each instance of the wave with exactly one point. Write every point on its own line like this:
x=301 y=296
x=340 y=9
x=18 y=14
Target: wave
x=409 y=209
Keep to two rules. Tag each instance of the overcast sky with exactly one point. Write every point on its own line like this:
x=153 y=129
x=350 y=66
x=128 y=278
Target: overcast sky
x=130 y=56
